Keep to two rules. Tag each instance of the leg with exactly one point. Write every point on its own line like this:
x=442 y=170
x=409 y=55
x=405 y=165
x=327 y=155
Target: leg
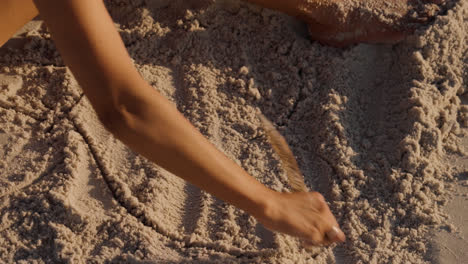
x=13 y=15
x=341 y=22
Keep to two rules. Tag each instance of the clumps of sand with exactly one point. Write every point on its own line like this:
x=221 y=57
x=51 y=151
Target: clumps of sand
x=390 y=14
x=369 y=126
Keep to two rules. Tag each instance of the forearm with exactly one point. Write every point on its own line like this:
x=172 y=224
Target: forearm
x=153 y=127
x=147 y=122
x=134 y=112
x=13 y=15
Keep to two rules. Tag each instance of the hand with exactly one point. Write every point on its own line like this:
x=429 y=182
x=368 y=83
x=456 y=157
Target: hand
x=305 y=215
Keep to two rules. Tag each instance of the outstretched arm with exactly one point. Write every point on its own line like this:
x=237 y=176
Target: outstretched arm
x=148 y=123
x=133 y=111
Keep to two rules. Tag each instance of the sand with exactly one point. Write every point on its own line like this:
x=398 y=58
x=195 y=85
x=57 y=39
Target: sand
x=379 y=130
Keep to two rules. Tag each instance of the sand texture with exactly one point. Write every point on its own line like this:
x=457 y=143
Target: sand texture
x=379 y=130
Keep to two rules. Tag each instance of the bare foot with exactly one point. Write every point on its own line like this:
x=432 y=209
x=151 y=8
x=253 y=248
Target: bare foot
x=341 y=22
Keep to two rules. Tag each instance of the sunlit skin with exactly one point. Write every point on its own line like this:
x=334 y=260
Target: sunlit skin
x=148 y=123
x=328 y=26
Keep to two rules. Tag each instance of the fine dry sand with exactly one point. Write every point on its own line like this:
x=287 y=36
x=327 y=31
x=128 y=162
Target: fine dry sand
x=380 y=130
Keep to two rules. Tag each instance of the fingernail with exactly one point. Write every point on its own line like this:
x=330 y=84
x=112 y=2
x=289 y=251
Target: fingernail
x=335 y=234
x=340 y=235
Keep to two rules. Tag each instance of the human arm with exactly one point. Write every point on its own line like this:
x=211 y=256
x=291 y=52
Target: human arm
x=148 y=123
x=13 y=15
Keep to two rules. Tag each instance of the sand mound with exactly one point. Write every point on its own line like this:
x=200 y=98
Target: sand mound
x=369 y=125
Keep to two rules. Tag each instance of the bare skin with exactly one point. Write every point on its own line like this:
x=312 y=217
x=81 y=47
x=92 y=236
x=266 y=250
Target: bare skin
x=342 y=23
x=394 y=25
x=13 y=15
x=148 y=123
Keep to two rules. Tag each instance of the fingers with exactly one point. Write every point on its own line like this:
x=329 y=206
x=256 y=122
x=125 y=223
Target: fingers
x=307 y=244
x=335 y=235
x=316 y=238
x=318 y=201
x=328 y=236
x=326 y=230
x=305 y=215
x=329 y=225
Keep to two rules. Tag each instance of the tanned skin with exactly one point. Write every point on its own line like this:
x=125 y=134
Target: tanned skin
x=14 y=14
x=148 y=123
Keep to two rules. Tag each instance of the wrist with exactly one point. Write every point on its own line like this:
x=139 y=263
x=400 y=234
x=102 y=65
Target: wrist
x=264 y=204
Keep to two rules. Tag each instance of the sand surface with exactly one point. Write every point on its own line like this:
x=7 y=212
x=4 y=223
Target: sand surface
x=380 y=130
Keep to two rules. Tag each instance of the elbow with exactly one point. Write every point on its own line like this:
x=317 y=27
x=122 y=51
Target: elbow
x=115 y=119
x=122 y=112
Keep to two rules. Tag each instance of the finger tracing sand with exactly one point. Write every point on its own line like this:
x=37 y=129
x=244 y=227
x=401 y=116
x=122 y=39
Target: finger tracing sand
x=378 y=129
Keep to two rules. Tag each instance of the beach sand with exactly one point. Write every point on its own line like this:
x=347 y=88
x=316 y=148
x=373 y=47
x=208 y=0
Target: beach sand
x=379 y=130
